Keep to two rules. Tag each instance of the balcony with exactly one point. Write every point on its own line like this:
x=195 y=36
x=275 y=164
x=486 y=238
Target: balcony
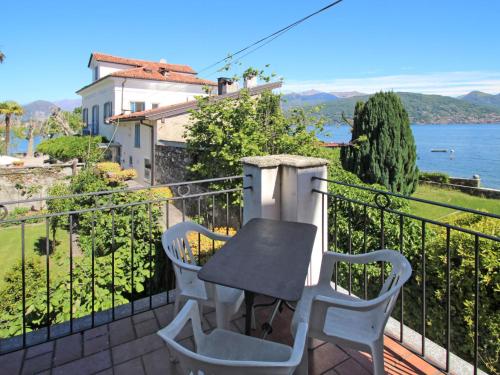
x=117 y=333
x=130 y=346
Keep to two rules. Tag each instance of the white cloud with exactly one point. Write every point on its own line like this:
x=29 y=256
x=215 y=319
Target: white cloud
x=445 y=83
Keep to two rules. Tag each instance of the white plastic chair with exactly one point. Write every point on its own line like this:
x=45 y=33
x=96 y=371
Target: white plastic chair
x=226 y=301
x=223 y=352
x=347 y=320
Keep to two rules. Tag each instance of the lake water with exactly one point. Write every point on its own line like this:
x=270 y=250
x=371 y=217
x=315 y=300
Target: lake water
x=476 y=146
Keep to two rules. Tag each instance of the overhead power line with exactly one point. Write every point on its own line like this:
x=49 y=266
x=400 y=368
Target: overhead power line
x=271 y=36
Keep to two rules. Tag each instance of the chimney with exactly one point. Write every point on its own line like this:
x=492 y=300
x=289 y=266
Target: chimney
x=226 y=86
x=249 y=81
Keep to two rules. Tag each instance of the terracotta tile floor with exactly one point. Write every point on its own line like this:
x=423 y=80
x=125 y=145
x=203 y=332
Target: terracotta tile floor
x=131 y=346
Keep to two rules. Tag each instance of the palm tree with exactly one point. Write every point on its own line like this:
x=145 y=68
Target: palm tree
x=9 y=109
x=2 y=57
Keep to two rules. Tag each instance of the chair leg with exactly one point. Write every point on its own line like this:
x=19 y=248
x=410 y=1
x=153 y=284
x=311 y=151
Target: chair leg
x=303 y=367
x=222 y=316
x=378 y=357
x=254 y=320
x=177 y=304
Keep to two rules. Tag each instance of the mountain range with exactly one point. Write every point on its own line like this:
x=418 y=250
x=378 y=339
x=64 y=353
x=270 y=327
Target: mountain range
x=475 y=107
x=41 y=109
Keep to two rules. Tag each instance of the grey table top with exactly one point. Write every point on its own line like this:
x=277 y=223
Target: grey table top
x=268 y=257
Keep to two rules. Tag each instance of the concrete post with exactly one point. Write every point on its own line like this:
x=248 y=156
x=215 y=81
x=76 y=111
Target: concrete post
x=280 y=187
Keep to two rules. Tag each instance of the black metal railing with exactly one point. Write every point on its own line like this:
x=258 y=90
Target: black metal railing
x=363 y=218
x=113 y=244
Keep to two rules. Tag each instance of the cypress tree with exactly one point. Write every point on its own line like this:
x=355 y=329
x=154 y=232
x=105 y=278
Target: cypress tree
x=383 y=148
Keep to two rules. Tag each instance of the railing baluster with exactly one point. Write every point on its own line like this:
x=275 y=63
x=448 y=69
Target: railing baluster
x=213 y=222
x=401 y=244
x=150 y=256
x=93 y=268
x=365 y=274
x=448 y=300
x=47 y=275
x=23 y=278
x=476 y=303
x=349 y=244
x=323 y=223
x=335 y=229
x=227 y=214
x=382 y=244
x=183 y=209
x=71 y=273
x=113 y=263
x=167 y=211
x=424 y=307
x=199 y=235
x=132 y=225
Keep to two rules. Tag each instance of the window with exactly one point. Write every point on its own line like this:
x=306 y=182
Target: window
x=95 y=120
x=137 y=136
x=96 y=73
x=147 y=169
x=137 y=106
x=85 y=117
x=130 y=161
x=154 y=105
x=108 y=110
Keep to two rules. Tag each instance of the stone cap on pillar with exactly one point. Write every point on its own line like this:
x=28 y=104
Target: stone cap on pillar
x=273 y=161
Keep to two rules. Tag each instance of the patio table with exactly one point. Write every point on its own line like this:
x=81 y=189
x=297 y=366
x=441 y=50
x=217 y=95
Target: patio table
x=268 y=257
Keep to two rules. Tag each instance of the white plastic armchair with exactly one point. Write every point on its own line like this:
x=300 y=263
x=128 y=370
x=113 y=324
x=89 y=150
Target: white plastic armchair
x=223 y=352
x=347 y=320
x=226 y=301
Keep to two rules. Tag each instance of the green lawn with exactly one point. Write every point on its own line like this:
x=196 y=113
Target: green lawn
x=449 y=196
x=10 y=248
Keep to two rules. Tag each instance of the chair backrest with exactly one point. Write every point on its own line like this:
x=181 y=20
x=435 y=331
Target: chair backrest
x=197 y=364
x=399 y=275
x=176 y=245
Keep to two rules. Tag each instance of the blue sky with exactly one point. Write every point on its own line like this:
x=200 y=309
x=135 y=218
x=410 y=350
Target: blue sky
x=445 y=47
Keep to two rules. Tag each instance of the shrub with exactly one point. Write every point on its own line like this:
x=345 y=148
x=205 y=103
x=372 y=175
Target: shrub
x=107 y=167
x=67 y=148
x=162 y=193
x=206 y=246
x=11 y=297
x=440 y=177
x=125 y=175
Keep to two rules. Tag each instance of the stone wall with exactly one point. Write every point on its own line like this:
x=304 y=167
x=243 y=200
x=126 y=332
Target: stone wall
x=477 y=191
x=472 y=182
x=21 y=183
x=171 y=164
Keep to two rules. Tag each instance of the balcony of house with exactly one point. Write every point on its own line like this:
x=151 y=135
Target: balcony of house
x=91 y=287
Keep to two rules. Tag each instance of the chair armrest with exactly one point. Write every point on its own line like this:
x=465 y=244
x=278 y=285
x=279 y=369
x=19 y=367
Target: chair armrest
x=212 y=235
x=299 y=344
x=187 y=313
x=185 y=266
x=373 y=256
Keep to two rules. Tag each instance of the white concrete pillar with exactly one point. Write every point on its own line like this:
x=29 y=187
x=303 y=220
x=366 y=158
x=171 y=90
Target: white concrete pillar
x=281 y=189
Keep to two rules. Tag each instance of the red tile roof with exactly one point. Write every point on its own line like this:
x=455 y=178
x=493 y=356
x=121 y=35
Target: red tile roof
x=181 y=108
x=155 y=71
x=136 y=62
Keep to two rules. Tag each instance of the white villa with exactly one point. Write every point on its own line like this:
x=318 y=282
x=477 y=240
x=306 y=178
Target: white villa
x=141 y=105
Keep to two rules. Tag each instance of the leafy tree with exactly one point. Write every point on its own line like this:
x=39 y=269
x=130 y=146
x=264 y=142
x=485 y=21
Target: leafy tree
x=383 y=149
x=9 y=109
x=64 y=123
x=224 y=131
x=71 y=147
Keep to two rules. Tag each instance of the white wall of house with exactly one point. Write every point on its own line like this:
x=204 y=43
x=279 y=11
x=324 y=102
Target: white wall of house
x=125 y=135
x=173 y=128
x=101 y=93
x=121 y=92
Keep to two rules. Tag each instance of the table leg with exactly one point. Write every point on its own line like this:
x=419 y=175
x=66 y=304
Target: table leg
x=249 y=297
